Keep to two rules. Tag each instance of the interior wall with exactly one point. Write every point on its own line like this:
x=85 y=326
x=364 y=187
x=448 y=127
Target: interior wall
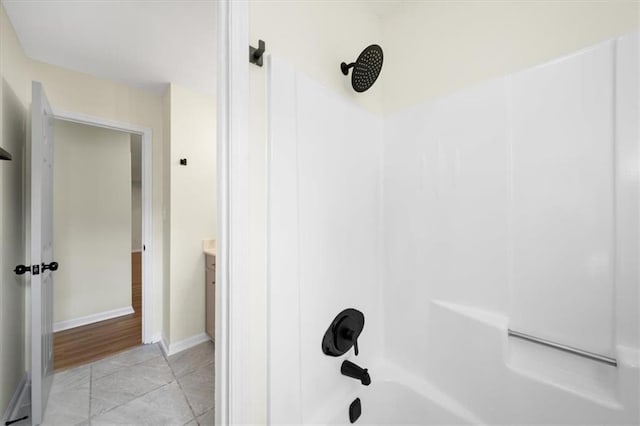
x=564 y=218
x=92 y=220
x=315 y=37
x=325 y=240
x=136 y=193
x=136 y=216
x=510 y=221
x=445 y=213
x=80 y=93
x=433 y=48
x=13 y=121
x=446 y=184
x=193 y=207
x=166 y=215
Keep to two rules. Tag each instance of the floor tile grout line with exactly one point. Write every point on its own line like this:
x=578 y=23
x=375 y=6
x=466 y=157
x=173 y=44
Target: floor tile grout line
x=125 y=366
x=185 y=394
x=131 y=400
x=139 y=396
x=184 y=354
x=182 y=391
x=119 y=367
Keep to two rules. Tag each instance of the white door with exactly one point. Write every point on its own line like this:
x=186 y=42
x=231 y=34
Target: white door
x=42 y=262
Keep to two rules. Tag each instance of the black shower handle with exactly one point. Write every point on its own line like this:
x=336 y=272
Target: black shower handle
x=343 y=333
x=348 y=334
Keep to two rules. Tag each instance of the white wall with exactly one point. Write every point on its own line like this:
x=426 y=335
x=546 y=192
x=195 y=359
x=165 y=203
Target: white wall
x=562 y=200
x=433 y=48
x=192 y=207
x=325 y=239
x=13 y=120
x=314 y=37
x=92 y=220
x=499 y=213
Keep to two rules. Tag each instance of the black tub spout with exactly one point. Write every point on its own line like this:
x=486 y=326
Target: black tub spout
x=352 y=370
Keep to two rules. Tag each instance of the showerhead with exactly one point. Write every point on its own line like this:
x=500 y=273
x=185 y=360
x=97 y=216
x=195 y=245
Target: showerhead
x=365 y=69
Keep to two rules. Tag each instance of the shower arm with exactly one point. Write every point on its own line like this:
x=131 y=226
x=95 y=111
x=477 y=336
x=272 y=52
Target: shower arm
x=345 y=68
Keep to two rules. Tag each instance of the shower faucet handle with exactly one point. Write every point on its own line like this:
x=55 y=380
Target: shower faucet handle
x=343 y=333
x=349 y=334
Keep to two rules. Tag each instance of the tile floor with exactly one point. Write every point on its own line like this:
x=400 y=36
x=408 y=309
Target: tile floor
x=136 y=387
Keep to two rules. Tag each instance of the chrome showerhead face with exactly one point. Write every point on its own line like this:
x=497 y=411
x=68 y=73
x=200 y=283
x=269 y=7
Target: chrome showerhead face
x=366 y=68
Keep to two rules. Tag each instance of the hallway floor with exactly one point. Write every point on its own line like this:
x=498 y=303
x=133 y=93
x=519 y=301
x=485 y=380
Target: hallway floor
x=92 y=342
x=136 y=387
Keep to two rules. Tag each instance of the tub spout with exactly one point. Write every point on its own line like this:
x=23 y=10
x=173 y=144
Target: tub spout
x=352 y=370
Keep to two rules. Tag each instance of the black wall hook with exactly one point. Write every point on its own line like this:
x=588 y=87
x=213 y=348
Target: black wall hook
x=255 y=55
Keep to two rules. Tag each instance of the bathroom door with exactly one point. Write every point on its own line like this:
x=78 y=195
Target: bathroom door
x=42 y=122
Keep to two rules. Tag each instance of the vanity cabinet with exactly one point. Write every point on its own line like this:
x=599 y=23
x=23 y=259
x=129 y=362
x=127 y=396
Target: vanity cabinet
x=210 y=294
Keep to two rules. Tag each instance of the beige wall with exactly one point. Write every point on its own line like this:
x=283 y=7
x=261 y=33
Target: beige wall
x=92 y=220
x=136 y=192
x=166 y=215
x=438 y=47
x=193 y=207
x=315 y=37
x=13 y=121
x=136 y=216
x=81 y=93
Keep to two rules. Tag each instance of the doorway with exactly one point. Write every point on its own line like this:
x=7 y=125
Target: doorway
x=108 y=260
x=97 y=237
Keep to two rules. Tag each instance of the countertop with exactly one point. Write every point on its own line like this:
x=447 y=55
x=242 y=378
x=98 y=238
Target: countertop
x=209 y=247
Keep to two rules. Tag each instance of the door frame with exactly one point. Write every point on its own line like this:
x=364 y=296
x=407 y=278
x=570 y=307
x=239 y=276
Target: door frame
x=148 y=285
x=233 y=358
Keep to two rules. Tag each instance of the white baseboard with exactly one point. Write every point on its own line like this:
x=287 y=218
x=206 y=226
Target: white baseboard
x=137 y=250
x=181 y=345
x=164 y=346
x=90 y=319
x=18 y=399
x=155 y=338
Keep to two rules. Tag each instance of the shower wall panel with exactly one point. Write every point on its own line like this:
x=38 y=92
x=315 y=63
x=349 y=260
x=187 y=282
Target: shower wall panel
x=563 y=187
x=445 y=214
x=325 y=226
x=500 y=201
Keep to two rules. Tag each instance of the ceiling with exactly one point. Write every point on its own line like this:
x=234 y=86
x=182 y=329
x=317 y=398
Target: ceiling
x=144 y=44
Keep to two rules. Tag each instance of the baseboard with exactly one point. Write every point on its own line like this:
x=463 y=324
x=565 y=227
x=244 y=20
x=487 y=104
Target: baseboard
x=90 y=319
x=164 y=346
x=136 y=250
x=155 y=338
x=17 y=400
x=181 y=345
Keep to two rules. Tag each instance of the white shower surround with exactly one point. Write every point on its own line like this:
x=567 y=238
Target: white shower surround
x=413 y=219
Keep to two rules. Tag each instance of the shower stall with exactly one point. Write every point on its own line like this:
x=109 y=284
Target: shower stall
x=487 y=235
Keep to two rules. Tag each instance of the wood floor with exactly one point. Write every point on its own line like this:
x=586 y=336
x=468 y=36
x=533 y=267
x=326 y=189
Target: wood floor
x=95 y=341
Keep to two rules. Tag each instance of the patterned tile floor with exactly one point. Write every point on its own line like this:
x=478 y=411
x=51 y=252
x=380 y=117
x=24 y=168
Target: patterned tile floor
x=136 y=387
